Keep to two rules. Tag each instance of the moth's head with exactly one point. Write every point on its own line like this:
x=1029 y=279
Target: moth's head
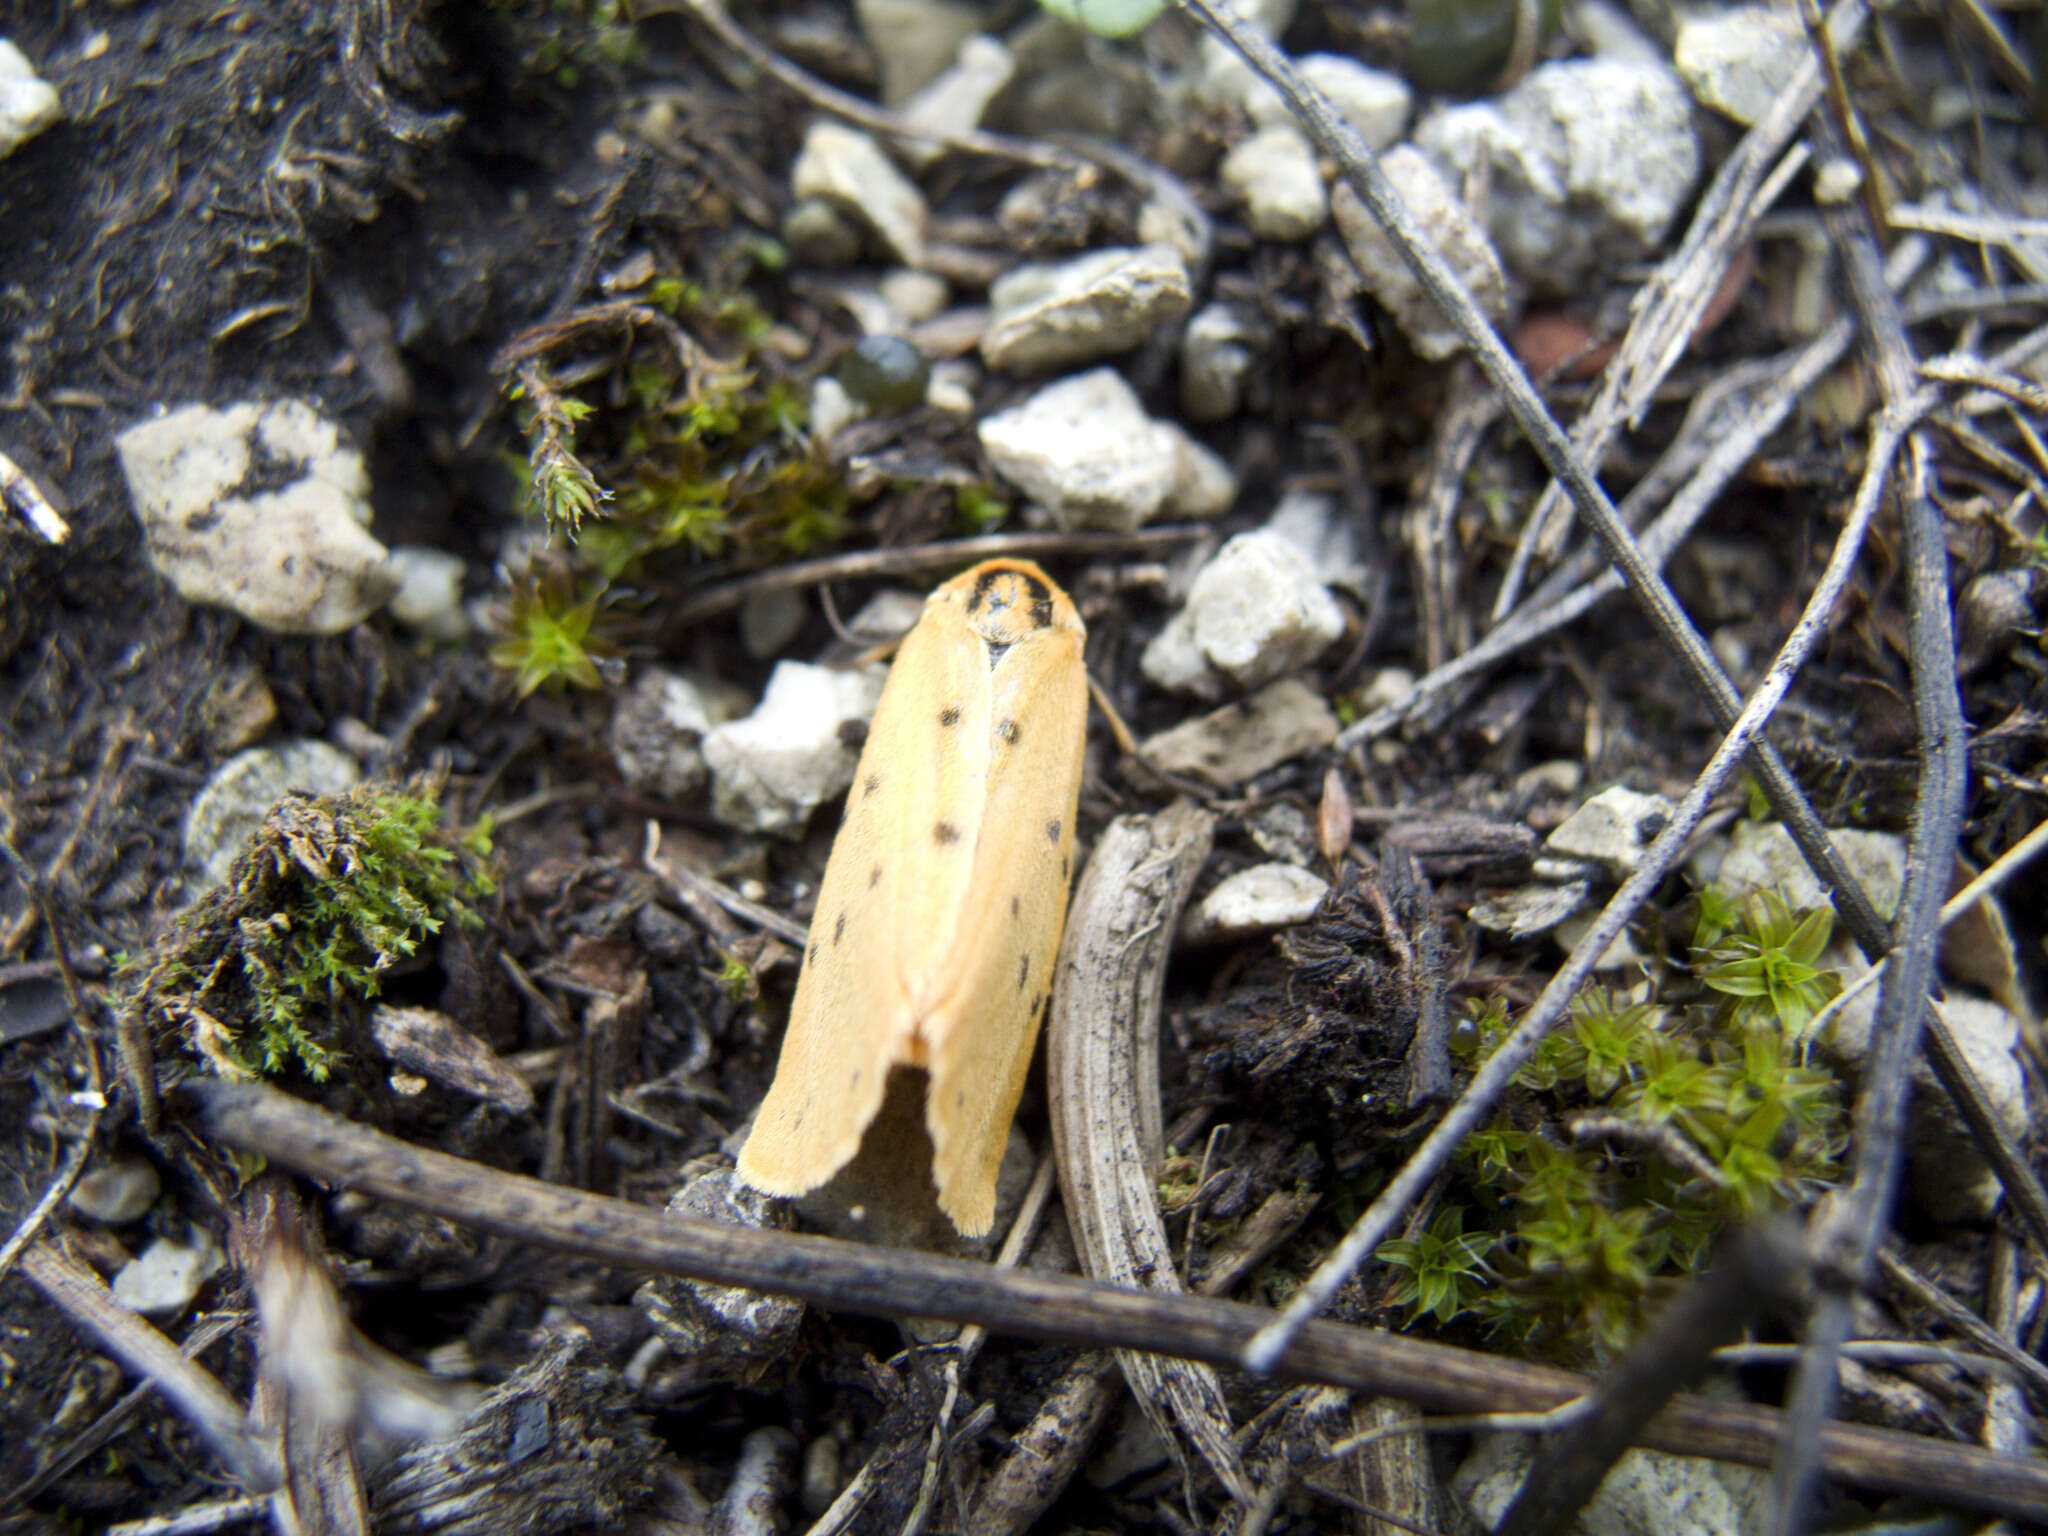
x=1007 y=601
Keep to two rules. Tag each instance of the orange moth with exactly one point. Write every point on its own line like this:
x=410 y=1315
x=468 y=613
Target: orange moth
x=940 y=913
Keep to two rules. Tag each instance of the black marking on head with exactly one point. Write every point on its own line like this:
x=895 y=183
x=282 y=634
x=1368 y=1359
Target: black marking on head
x=1015 y=906
x=1052 y=831
x=946 y=832
x=950 y=715
x=839 y=930
x=1023 y=970
x=869 y=785
x=1008 y=732
x=874 y=877
x=1040 y=595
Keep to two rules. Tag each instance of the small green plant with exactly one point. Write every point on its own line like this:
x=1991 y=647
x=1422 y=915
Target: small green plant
x=1442 y=1270
x=548 y=639
x=1639 y=1129
x=272 y=969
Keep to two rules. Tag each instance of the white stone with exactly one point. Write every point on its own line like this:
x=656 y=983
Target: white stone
x=772 y=769
x=1240 y=741
x=1447 y=223
x=1762 y=856
x=1740 y=61
x=1647 y=1491
x=233 y=803
x=1052 y=315
x=914 y=296
x=770 y=620
x=1254 y=613
x=1328 y=539
x=914 y=41
x=1085 y=450
x=1530 y=910
x=953 y=103
x=162 y=1281
x=429 y=596
x=1255 y=900
x=1587 y=161
x=1622 y=954
x=1946 y=1176
x=28 y=103
x=887 y=616
x=847 y=168
x=1274 y=175
x=296 y=558
x=1375 y=103
x=1613 y=829
x=117 y=1191
x=657 y=735
x=1215 y=360
x=832 y=408
x=952 y=386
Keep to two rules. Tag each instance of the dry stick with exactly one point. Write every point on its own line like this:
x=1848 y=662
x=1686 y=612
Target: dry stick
x=1670 y=305
x=1847 y=1232
x=1902 y=1279
x=1060 y=1308
x=200 y=1400
x=1493 y=1078
x=872 y=563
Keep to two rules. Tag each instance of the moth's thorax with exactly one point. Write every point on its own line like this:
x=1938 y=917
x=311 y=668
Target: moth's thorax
x=1009 y=601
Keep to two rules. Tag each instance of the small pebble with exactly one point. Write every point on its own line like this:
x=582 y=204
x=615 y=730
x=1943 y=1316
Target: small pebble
x=1255 y=900
x=117 y=1192
x=167 y=1275
x=883 y=374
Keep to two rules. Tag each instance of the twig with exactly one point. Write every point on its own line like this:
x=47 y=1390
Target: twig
x=679 y=874
x=1060 y=1308
x=870 y=564
x=197 y=1519
x=1902 y=1280
x=19 y=490
x=1845 y=1237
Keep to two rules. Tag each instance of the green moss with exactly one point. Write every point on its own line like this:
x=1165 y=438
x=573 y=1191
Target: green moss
x=271 y=971
x=1639 y=1130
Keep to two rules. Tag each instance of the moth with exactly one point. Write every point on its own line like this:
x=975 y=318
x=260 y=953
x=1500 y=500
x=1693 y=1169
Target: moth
x=944 y=896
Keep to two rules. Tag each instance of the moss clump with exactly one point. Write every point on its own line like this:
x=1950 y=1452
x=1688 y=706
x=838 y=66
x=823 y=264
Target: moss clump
x=272 y=970
x=1638 y=1131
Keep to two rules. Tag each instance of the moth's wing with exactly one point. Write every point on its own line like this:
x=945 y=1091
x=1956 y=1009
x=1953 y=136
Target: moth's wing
x=890 y=900
x=984 y=1026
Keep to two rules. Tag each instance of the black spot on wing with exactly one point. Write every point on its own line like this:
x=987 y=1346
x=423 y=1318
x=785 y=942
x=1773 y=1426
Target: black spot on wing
x=1023 y=970
x=1008 y=732
x=950 y=715
x=812 y=954
x=1015 y=906
x=1052 y=831
x=868 y=786
x=839 y=929
x=945 y=832
x=874 y=877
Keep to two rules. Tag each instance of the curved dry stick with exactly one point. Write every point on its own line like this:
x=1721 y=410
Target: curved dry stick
x=1102 y=1074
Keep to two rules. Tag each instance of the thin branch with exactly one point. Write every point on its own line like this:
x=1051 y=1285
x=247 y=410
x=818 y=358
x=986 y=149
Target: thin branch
x=1845 y=1236
x=871 y=564
x=1060 y=1308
